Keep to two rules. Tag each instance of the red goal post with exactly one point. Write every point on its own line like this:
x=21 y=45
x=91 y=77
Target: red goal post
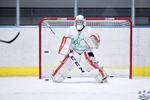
x=87 y=19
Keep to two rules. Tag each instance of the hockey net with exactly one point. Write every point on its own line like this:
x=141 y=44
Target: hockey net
x=114 y=53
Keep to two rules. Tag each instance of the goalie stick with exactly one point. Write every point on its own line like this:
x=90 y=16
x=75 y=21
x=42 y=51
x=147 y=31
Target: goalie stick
x=12 y=40
x=70 y=55
x=76 y=62
x=52 y=30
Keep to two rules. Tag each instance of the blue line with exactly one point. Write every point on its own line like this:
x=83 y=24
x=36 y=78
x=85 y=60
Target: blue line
x=141 y=26
x=68 y=26
x=19 y=26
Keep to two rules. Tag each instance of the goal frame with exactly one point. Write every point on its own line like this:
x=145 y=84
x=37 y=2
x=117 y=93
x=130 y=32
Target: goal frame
x=40 y=39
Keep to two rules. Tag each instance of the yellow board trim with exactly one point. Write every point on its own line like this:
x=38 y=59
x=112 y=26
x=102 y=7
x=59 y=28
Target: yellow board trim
x=141 y=71
x=34 y=71
x=18 y=71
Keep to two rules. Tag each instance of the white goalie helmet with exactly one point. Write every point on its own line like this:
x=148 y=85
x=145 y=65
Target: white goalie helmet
x=80 y=22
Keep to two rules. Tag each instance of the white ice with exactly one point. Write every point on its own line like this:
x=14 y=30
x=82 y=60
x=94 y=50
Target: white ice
x=31 y=88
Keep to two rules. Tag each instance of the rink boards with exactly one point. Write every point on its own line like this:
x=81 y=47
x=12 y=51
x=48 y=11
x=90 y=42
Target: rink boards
x=21 y=57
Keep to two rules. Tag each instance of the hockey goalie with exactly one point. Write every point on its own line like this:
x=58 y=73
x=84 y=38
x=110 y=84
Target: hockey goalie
x=77 y=46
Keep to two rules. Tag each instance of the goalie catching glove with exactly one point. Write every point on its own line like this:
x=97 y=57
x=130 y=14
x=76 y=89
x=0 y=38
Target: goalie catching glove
x=93 y=41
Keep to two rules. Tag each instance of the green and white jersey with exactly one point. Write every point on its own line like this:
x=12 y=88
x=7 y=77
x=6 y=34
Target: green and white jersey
x=78 y=38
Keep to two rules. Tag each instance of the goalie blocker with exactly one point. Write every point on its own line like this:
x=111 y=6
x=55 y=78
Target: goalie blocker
x=87 y=64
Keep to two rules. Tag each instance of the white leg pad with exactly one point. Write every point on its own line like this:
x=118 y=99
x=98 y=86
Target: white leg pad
x=98 y=78
x=58 y=78
x=94 y=69
x=63 y=70
x=101 y=79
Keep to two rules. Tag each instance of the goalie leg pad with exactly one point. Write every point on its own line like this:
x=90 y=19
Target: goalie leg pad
x=99 y=72
x=100 y=79
x=63 y=70
x=58 y=78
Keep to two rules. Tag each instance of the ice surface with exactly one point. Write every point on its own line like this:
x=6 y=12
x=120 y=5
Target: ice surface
x=31 y=88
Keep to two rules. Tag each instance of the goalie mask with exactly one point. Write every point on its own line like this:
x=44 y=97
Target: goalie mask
x=80 y=22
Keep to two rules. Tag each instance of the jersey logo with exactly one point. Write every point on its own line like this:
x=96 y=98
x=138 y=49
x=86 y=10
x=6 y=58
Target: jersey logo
x=78 y=45
x=77 y=42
